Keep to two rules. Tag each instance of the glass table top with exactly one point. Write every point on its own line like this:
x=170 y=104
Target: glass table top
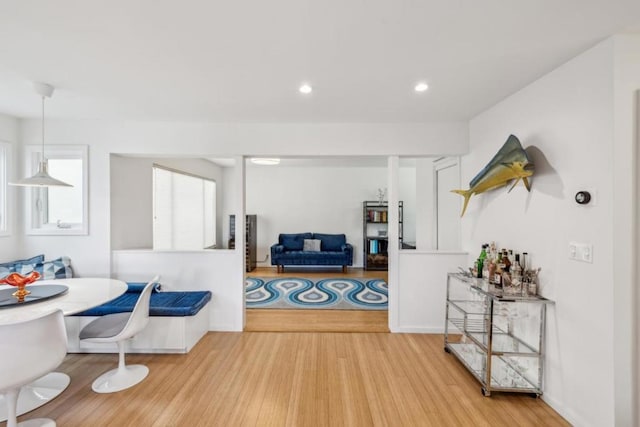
x=37 y=294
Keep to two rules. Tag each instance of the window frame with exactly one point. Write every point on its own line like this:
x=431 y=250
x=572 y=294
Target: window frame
x=32 y=158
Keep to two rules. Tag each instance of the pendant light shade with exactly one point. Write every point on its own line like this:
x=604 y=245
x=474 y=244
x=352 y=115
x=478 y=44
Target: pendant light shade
x=42 y=177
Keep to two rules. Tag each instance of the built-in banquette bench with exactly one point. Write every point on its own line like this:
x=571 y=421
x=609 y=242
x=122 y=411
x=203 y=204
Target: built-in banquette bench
x=177 y=321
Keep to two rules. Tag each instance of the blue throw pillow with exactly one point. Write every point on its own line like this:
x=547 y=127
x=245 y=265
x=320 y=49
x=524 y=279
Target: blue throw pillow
x=293 y=242
x=331 y=242
x=35 y=259
x=5 y=271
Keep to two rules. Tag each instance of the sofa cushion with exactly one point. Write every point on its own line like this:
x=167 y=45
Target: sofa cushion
x=293 y=242
x=312 y=245
x=331 y=242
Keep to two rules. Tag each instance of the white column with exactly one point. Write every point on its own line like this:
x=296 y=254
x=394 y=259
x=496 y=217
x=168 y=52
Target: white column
x=393 y=183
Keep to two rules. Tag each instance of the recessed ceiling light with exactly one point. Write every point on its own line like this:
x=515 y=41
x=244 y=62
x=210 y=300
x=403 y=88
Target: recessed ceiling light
x=305 y=88
x=265 y=161
x=421 y=87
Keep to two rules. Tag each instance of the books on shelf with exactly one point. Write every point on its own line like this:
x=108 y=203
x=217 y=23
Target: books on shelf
x=377 y=215
x=377 y=246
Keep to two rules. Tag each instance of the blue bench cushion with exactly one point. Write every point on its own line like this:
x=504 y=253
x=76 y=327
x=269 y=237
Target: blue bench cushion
x=162 y=304
x=139 y=286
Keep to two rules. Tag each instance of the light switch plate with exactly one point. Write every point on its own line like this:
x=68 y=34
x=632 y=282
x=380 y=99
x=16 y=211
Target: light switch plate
x=581 y=252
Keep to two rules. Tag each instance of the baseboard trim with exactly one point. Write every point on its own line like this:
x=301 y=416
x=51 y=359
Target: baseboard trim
x=416 y=330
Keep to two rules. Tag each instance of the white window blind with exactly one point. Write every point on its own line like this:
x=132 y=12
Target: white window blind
x=184 y=211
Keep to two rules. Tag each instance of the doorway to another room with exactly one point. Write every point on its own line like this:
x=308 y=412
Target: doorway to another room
x=321 y=202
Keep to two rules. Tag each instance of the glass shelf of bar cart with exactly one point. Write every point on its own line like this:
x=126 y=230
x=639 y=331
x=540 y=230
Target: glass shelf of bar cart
x=499 y=338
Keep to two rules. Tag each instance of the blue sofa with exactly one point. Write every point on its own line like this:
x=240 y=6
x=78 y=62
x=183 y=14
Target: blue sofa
x=311 y=249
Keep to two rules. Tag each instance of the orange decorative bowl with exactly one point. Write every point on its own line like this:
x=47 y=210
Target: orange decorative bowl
x=17 y=279
x=20 y=281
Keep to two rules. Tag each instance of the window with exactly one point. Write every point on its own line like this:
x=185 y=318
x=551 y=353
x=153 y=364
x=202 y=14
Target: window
x=4 y=174
x=60 y=210
x=184 y=210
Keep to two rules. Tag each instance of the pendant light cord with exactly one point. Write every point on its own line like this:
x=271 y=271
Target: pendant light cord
x=42 y=159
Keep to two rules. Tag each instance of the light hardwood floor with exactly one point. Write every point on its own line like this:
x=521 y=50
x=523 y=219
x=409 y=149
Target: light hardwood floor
x=294 y=379
x=289 y=320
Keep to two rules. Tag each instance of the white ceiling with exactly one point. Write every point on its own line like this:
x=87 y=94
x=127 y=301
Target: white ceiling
x=322 y=161
x=242 y=61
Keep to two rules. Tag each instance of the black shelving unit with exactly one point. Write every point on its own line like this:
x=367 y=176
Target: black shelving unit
x=375 y=233
x=250 y=240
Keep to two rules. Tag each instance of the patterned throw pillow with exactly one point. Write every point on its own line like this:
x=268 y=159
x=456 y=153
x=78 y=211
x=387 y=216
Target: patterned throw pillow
x=7 y=268
x=5 y=271
x=33 y=260
x=55 y=269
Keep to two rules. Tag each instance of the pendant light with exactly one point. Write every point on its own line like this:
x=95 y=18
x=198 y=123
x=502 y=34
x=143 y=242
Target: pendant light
x=42 y=177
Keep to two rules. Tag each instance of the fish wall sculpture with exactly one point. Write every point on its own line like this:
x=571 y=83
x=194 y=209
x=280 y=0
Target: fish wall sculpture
x=510 y=163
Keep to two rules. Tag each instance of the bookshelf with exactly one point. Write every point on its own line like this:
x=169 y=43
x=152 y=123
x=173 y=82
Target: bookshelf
x=375 y=227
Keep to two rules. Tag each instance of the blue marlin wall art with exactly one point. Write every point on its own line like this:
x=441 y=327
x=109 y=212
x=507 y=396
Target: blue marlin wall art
x=510 y=163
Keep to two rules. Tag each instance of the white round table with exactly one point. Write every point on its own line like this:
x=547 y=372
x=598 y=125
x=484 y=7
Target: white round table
x=83 y=294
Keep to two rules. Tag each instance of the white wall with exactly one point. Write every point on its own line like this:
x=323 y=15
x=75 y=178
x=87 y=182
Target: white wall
x=425 y=200
x=191 y=271
x=625 y=229
x=132 y=197
x=131 y=203
x=408 y=194
x=10 y=245
x=311 y=199
x=421 y=295
x=566 y=117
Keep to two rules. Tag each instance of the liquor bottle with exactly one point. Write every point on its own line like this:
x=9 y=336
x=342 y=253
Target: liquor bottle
x=511 y=258
x=516 y=272
x=505 y=261
x=483 y=252
x=497 y=276
x=481 y=261
x=493 y=251
x=491 y=270
x=477 y=269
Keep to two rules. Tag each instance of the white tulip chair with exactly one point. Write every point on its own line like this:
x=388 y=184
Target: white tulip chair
x=118 y=328
x=29 y=350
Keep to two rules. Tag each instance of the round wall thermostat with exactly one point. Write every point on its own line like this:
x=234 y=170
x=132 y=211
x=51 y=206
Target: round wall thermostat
x=583 y=197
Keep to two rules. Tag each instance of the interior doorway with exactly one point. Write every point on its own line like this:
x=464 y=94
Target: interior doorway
x=318 y=195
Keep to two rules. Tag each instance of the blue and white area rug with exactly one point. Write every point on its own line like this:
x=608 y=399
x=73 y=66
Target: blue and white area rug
x=295 y=292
